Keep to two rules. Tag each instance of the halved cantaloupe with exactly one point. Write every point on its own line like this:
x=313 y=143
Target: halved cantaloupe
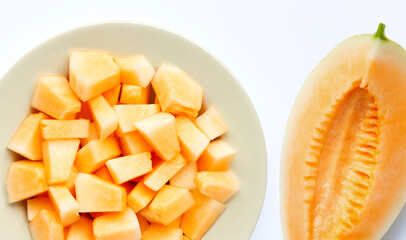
x=124 y=169
x=128 y=114
x=140 y=196
x=135 y=70
x=70 y=183
x=112 y=95
x=133 y=143
x=185 y=177
x=104 y=116
x=217 y=156
x=27 y=140
x=81 y=229
x=35 y=205
x=93 y=135
x=91 y=73
x=53 y=96
x=132 y=94
x=62 y=129
x=64 y=204
x=220 y=186
x=177 y=92
x=343 y=162
x=46 y=226
x=211 y=123
x=157 y=231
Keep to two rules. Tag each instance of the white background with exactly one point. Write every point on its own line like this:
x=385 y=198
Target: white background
x=271 y=46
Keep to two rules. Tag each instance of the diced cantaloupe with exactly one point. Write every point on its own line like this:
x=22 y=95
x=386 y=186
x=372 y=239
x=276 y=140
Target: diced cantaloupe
x=64 y=204
x=140 y=196
x=157 y=231
x=25 y=179
x=212 y=123
x=124 y=169
x=104 y=173
x=97 y=195
x=104 y=116
x=185 y=237
x=164 y=171
x=177 y=92
x=144 y=224
x=217 y=156
x=35 y=205
x=192 y=141
x=81 y=229
x=185 y=177
x=135 y=70
x=62 y=129
x=59 y=155
x=220 y=186
x=46 y=226
x=53 y=96
x=128 y=114
x=27 y=140
x=133 y=94
x=70 y=183
x=93 y=156
x=159 y=131
x=197 y=220
x=117 y=226
x=84 y=112
x=170 y=203
x=92 y=73
x=132 y=143
x=128 y=186
x=176 y=223
x=112 y=95
x=93 y=135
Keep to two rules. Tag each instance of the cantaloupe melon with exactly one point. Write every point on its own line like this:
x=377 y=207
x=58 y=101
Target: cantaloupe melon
x=133 y=143
x=112 y=95
x=185 y=177
x=211 y=123
x=104 y=173
x=157 y=231
x=176 y=223
x=343 y=162
x=81 y=229
x=46 y=226
x=128 y=114
x=144 y=224
x=35 y=205
x=126 y=168
x=217 y=156
x=103 y=116
x=136 y=70
x=62 y=129
x=70 y=183
x=64 y=204
x=133 y=94
x=140 y=196
x=93 y=135
x=220 y=186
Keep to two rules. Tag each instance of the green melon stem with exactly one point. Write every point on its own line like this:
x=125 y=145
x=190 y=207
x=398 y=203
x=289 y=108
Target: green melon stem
x=380 y=33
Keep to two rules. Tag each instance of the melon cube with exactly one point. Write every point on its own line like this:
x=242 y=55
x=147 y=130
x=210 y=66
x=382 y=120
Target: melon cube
x=177 y=92
x=140 y=196
x=91 y=73
x=25 y=179
x=64 y=204
x=35 y=205
x=93 y=135
x=197 y=220
x=144 y=224
x=104 y=116
x=97 y=195
x=128 y=186
x=62 y=129
x=217 y=156
x=81 y=229
x=164 y=171
x=70 y=183
x=59 y=156
x=112 y=95
x=170 y=203
x=135 y=70
x=159 y=131
x=192 y=141
x=157 y=231
x=212 y=123
x=175 y=223
x=220 y=186
x=185 y=237
x=117 y=226
x=46 y=226
x=84 y=112
x=93 y=156
x=131 y=113
x=27 y=140
x=185 y=177
x=124 y=169
x=132 y=94
x=104 y=173
x=53 y=96
x=132 y=143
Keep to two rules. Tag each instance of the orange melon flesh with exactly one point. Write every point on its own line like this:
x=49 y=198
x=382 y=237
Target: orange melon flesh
x=53 y=96
x=93 y=135
x=62 y=129
x=170 y=203
x=124 y=169
x=220 y=186
x=93 y=156
x=27 y=140
x=35 y=205
x=147 y=214
x=212 y=123
x=104 y=173
x=159 y=131
x=144 y=225
x=135 y=70
x=185 y=177
x=59 y=156
x=176 y=91
x=217 y=156
x=128 y=114
x=70 y=183
x=92 y=73
x=128 y=186
x=132 y=94
x=192 y=141
x=185 y=237
x=46 y=226
x=112 y=95
x=81 y=229
x=84 y=112
x=164 y=171
x=175 y=223
x=140 y=196
x=25 y=179
x=343 y=169
x=156 y=231
x=64 y=204
x=133 y=143
x=94 y=194
x=104 y=116
x=117 y=226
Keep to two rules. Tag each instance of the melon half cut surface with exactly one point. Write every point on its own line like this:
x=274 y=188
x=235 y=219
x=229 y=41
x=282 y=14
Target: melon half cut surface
x=343 y=169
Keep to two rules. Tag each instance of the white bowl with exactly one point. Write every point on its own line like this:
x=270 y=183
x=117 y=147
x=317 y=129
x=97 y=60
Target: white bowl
x=221 y=89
